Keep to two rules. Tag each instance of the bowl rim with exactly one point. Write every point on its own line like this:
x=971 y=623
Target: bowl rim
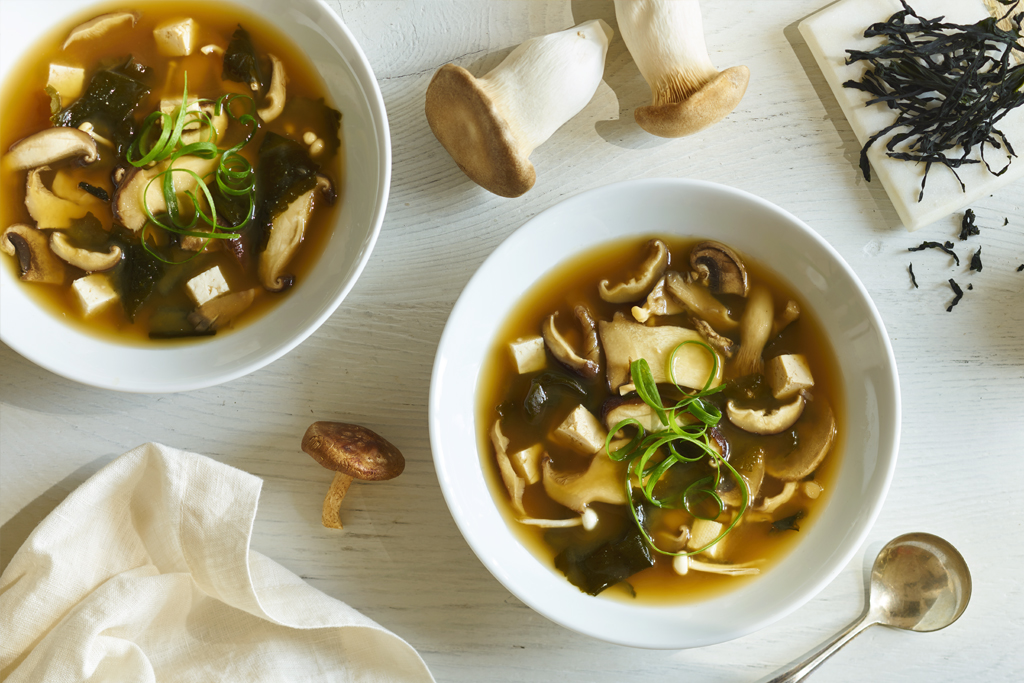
x=888 y=437
x=363 y=75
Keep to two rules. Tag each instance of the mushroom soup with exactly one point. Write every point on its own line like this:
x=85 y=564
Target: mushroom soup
x=589 y=371
x=169 y=171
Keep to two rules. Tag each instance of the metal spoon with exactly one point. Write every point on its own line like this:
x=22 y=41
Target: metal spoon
x=919 y=582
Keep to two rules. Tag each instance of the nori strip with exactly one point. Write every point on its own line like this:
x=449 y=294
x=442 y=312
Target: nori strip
x=976 y=260
x=947 y=247
x=913 y=279
x=950 y=85
x=1020 y=267
x=284 y=173
x=109 y=104
x=957 y=294
x=242 y=64
x=1006 y=221
x=970 y=285
x=97 y=192
x=789 y=523
x=967 y=225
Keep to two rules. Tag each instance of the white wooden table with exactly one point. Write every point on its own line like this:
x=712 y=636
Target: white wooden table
x=401 y=559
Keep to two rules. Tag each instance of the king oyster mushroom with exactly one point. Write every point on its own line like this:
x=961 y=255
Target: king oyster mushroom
x=666 y=40
x=586 y=365
x=652 y=268
x=99 y=26
x=701 y=304
x=35 y=260
x=601 y=482
x=763 y=420
x=49 y=146
x=755 y=328
x=89 y=261
x=286 y=233
x=491 y=125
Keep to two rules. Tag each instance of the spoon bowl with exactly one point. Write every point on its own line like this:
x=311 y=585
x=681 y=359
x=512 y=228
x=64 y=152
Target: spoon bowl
x=919 y=582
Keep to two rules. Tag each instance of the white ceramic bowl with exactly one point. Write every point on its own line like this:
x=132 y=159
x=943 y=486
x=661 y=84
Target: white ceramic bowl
x=807 y=264
x=45 y=340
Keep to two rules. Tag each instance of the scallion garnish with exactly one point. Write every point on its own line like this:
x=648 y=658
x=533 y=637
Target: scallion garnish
x=643 y=451
x=160 y=141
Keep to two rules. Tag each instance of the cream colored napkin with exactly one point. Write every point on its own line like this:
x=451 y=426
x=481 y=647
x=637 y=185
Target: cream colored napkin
x=144 y=573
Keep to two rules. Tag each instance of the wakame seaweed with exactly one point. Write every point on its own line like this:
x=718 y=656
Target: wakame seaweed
x=950 y=85
x=790 y=523
x=610 y=563
x=976 y=260
x=947 y=247
x=284 y=173
x=539 y=395
x=913 y=278
x=242 y=64
x=957 y=294
x=109 y=104
x=137 y=275
x=968 y=226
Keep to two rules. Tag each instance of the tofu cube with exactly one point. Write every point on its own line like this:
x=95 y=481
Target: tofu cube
x=94 y=293
x=528 y=354
x=68 y=81
x=175 y=39
x=581 y=431
x=526 y=463
x=206 y=286
x=788 y=374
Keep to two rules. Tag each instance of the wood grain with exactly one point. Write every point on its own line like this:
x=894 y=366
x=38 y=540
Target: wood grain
x=401 y=559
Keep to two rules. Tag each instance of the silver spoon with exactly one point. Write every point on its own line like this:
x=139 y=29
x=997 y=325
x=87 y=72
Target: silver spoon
x=919 y=582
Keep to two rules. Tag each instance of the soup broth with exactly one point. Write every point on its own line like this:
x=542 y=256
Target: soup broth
x=758 y=540
x=305 y=118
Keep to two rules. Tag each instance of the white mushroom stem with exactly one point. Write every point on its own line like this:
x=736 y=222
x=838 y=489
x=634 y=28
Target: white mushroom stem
x=491 y=125
x=276 y=97
x=666 y=40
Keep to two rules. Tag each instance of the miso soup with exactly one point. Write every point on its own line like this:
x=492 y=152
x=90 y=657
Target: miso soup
x=193 y=179
x=619 y=413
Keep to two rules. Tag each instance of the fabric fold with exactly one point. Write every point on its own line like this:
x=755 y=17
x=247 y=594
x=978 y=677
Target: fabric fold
x=144 y=573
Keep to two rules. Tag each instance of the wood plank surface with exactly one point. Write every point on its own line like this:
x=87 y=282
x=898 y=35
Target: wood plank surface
x=401 y=559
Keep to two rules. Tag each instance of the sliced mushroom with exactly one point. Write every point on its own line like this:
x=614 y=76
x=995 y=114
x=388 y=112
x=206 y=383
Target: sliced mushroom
x=98 y=26
x=515 y=484
x=218 y=312
x=720 y=268
x=788 y=315
x=658 y=303
x=755 y=328
x=650 y=270
x=701 y=304
x=763 y=420
x=616 y=409
x=749 y=464
x=89 y=261
x=276 y=96
x=719 y=343
x=585 y=365
x=47 y=209
x=772 y=503
x=35 y=260
x=286 y=234
x=816 y=432
x=602 y=482
x=50 y=146
x=624 y=341
x=138 y=189
x=588 y=520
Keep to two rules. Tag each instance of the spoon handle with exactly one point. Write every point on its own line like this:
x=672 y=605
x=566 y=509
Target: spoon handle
x=798 y=671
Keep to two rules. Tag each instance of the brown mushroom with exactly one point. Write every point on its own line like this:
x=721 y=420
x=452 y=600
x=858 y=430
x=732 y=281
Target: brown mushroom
x=765 y=420
x=89 y=261
x=586 y=365
x=352 y=452
x=650 y=270
x=696 y=299
x=816 y=432
x=720 y=268
x=755 y=328
x=35 y=260
x=50 y=146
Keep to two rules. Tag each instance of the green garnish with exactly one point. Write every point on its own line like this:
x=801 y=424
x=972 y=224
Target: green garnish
x=699 y=498
x=160 y=141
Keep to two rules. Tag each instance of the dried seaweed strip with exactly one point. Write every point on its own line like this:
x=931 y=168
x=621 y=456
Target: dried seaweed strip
x=950 y=85
x=970 y=285
x=967 y=225
x=957 y=294
x=947 y=247
x=1020 y=267
x=976 y=260
x=913 y=278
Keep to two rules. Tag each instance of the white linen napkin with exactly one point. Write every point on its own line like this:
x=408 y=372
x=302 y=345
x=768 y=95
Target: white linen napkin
x=144 y=573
